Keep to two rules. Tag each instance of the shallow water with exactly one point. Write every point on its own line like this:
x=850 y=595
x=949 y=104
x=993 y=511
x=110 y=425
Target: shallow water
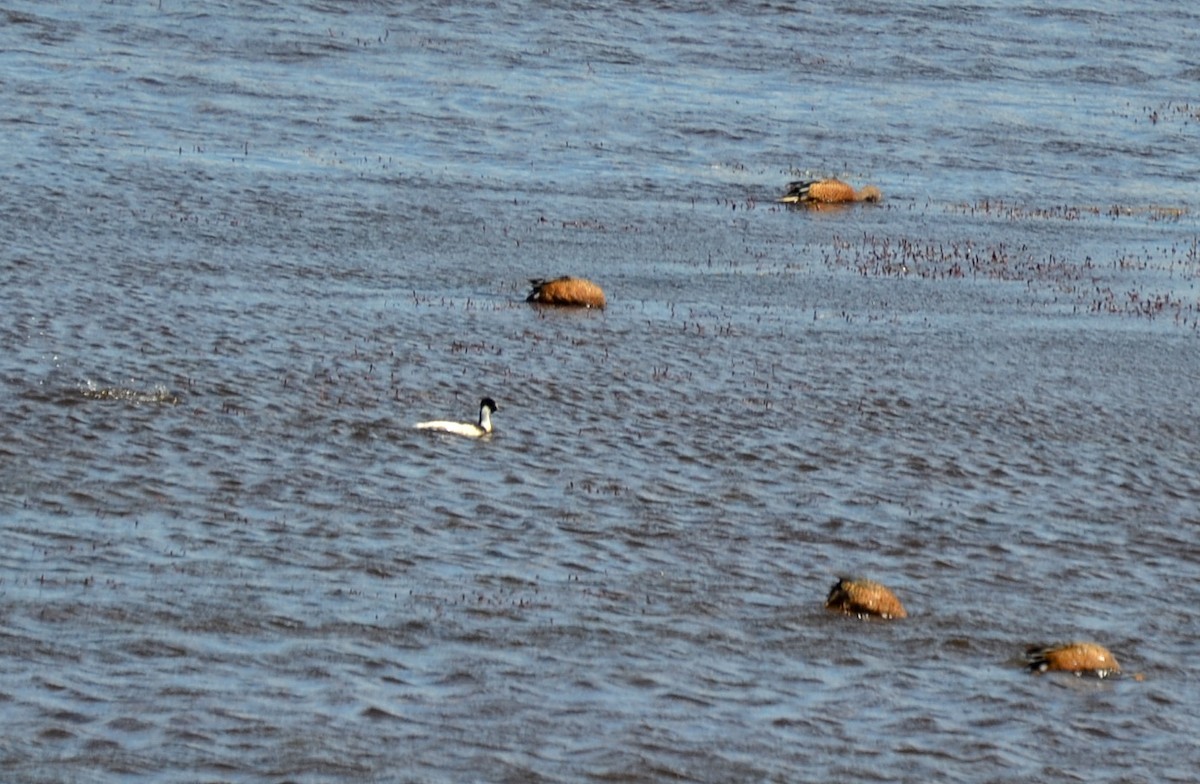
x=245 y=248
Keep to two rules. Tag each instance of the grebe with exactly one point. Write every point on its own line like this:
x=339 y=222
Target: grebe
x=577 y=292
x=1076 y=657
x=814 y=192
x=487 y=407
x=864 y=597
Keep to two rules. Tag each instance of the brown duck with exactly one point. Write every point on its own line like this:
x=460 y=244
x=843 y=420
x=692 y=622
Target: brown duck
x=813 y=192
x=1077 y=657
x=568 y=291
x=864 y=597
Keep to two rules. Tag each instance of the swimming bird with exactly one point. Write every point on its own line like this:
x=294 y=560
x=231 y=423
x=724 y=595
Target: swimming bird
x=487 y=407
x=1077 y=657
x=577 y=292
x=855 y=596
x=813 y=192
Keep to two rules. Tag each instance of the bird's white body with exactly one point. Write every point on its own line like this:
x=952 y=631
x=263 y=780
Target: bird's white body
x=468 y=429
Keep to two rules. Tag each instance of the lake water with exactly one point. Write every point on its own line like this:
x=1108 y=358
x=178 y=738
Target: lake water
x=246 y=246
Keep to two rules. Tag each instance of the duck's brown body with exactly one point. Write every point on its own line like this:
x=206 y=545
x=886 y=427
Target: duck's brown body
x=864 y=597
x=813 y=192
x=1076 y=657
x=575 y=292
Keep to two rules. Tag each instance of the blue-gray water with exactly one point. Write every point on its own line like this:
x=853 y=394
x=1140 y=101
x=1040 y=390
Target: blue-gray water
x=245 y=246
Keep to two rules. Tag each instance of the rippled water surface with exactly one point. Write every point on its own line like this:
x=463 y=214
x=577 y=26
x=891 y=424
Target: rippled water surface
x=244 y=247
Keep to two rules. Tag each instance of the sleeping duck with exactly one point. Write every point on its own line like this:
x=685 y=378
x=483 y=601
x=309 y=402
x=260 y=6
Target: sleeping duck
x=576 y=292
x=862 y=598
x=1078 y=657
x=815 y=192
